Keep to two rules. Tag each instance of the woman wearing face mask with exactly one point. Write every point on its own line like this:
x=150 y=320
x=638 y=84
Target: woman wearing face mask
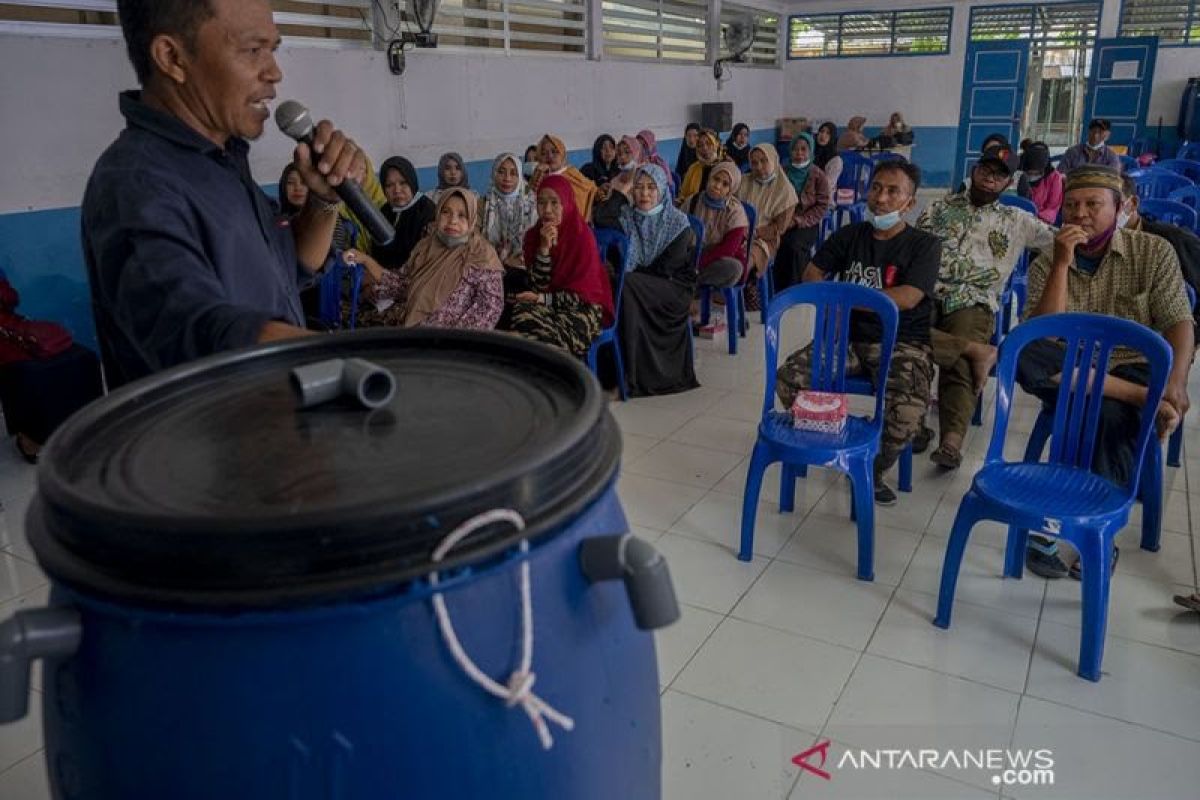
x=655 y=302
x=737 y=146
x=507 y=211
x=726 y=226
x=603 y=166
x=531 y=161
x=407 y=210
x=552 y=157
x=825 y=154
x=768 y=189
x=453 y=278
x=708 y=153
x=618 y=193
x=452 y=173
x=570 y=300
x=687 y=150
x=813 y=192
x=1042 y=183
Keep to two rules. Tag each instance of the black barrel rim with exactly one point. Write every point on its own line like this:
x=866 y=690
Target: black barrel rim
x=63 y=510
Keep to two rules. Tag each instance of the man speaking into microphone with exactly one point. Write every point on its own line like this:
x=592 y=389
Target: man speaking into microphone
x=186 y=255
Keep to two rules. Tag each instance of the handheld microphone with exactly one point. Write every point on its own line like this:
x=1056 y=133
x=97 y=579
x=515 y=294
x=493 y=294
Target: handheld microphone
x=294 y=120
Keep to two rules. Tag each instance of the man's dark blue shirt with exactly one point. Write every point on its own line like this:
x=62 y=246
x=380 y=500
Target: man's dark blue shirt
x=186 y=255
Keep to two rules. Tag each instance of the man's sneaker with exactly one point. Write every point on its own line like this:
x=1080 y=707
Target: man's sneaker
x=884 y=496
x=920 y=442
x=1047 y=565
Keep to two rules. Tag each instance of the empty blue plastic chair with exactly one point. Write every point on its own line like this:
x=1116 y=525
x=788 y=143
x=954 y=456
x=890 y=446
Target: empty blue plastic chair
x=853 y=450
x=1169 y=211
x=735 y=306
x=1157 y=184
x=1189 y=151
x=606 y=240
x=1188 y=195
x=1016 y=201
x=849 y=215
x=1061 y=497
x=1183 y=166
x=856 y=173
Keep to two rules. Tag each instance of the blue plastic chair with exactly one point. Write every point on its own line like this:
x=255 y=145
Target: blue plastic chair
x=1061 y=497
x=1189 y=151
x=1016 y=201
x=606 y=240
x=698 y=233
x=1188 y=195
x=735 y=306
x=329 y=291
x=1170 y=211
x=1012 y=306
x=848 y=215
x=853 y=450
x=1186 y=167
x=1129 y=163
x=856 y=173
x=1156 y=184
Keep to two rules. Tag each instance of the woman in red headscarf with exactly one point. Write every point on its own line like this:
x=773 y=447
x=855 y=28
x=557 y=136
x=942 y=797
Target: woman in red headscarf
x=571 y=299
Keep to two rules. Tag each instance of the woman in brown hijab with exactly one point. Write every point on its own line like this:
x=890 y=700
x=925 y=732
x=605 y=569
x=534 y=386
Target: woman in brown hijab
x=853 y=137
x=552 y=160
x=768 y=189
x=453 y=279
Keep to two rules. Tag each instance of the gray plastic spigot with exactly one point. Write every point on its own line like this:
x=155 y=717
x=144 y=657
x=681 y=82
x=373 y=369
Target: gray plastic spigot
x=25 y=637
x=642 y=569
x=356 y=378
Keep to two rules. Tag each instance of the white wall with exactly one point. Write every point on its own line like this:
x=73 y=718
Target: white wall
x=60 y=114
x=926 y=89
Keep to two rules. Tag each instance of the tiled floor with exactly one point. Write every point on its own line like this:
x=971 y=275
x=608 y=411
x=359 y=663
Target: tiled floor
x=788 y=651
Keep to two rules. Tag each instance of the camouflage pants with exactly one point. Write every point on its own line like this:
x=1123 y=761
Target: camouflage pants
x=905 y=398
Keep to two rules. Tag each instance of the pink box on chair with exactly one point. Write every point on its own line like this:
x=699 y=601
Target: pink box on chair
x=820 y=412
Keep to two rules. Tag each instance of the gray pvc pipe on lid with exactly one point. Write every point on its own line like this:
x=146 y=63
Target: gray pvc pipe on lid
x=366 y=383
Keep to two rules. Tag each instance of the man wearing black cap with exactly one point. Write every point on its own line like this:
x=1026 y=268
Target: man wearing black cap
x=981 y=243
x=1095 y=151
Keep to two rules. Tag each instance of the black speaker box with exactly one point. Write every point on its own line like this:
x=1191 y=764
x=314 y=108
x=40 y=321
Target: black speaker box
x=717 y=116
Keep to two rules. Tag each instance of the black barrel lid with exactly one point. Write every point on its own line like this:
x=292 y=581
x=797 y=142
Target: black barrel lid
x=207 y=485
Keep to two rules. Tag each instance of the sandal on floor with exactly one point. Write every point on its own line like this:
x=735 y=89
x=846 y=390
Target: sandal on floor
x=1190 y=602
x=1075 y=570
x=946 y=457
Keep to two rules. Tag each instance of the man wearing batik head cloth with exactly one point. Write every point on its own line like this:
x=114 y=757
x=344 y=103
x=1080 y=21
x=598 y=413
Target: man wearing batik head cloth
x=1099 y=267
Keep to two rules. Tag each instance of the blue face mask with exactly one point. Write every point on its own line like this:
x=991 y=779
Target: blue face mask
x=653 y=212
x=883 y=222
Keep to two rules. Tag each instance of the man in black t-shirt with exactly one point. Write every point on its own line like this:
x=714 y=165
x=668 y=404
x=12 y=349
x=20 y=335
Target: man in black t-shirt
x=887 y=254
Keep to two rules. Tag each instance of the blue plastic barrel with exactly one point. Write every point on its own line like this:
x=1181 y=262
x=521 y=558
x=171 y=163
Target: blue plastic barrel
x=252 y=593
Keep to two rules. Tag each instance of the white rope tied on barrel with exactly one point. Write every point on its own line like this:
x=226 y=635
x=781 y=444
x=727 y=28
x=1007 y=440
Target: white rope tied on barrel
x=519 y=689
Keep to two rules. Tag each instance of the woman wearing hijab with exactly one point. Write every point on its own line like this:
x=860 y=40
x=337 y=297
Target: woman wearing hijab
x=293 y=192
x=825 y=155
x=453 y=278
x=603 y=166
x=571 y=299
x=507 y=211
x=452 y=173
x=656 y=299
x=552 y=160
x=813 y=192
x=726 y=226
x=407 y=210
x=768 y=189
x=650 y=154
x=687 y=150
x=737 y=146
x=618 y=193
x=708 y=153
x=1042 y=183
x=853 y=137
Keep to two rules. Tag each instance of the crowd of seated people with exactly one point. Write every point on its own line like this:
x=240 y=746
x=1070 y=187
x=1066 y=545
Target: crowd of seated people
x=521 y=256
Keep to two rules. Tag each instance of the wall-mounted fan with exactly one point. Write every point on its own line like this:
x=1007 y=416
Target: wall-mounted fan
x=739 y=38
x=424 y=11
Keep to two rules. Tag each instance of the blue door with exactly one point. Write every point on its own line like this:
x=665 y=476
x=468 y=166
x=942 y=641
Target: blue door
x=993 y=97
x=1119 y=86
